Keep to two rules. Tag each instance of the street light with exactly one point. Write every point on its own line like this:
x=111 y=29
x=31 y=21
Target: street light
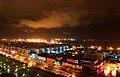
x=107 y=71
x=92 y=47
x=114 y=72
x=8 y=70
x=118 y=48
x=38 y=75
x=76 y=52
x=83 y=51
x=99 y=48
x=110 y=48
x=73 y=76
x=16 y=66
x=4 y=64
x=23 y=75
x=16 y=74
x=16 y=70
x=28 y=69
x=74 y=47
x=13 y=62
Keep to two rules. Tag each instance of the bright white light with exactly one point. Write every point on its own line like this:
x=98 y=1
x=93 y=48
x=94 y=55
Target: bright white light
x=110 y=48
x=118 y=48
x=23 y=75
x=76 y=52
x=38 y=75
x=16 y=66
x=114 y=73
x=107 y=71
x=83 y=51
x=8 y=70
x=99 y=48
x=73 y=76
x=16 y=70
x=36 y=40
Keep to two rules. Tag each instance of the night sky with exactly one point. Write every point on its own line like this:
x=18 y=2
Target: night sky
x=95 y=19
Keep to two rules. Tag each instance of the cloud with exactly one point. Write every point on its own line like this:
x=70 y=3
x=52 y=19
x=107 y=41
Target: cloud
x=28 y=31
x=56 y=13
x=56 y=19
x=0 y=4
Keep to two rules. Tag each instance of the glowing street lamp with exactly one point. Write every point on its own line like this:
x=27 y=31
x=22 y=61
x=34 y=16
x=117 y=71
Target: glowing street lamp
x=92 y=47
x=16 y=74
x=13 y=62
x=28 y=69
x=107 y=71
x=76 y=52
x=83 y=51
x=110 y=48
x=74 y=47
x=16 y=70
x=114 y=73
x=38 y=75
x=23 y=75
x=4 y=64
x=8 y=66
x=118 y=48
x=16 y=66
x=99 y=48
x=73 y=75
x=8 y=70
